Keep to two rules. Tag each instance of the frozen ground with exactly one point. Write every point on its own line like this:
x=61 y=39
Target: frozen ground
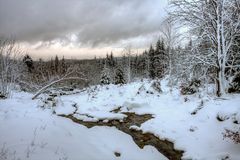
x=28 y=131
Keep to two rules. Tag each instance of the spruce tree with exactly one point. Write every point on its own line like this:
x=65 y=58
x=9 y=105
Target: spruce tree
x=160 y=61
x=157 y=60
x=52 y=67
x=63 y=66
x=164 y=60
x=105 y=80
x=134 y=66
x=152 y=68
x=29 y=62
x=40 y=65
x=56 y=64
x=145 y=64
x=111 y=60
x=119 y=77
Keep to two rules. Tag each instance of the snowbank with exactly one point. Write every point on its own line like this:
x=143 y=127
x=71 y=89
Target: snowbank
x=191 y=122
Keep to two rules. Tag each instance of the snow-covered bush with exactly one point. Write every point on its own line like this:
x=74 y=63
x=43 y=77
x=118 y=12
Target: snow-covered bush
x=105 y=77
x=190 y=88
x=105 y=80
x=10 y=66
x=92 y=92
x=156 y=85
x=141 y=89
x=235 y=84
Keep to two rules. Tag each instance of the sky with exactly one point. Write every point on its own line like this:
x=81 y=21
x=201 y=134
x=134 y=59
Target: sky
x=81 y=28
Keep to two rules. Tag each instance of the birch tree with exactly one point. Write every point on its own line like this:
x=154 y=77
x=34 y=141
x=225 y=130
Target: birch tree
x=216 y=24
x=171 y=36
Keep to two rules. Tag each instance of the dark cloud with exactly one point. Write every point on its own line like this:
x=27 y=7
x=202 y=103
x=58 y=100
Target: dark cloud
x=93 y=21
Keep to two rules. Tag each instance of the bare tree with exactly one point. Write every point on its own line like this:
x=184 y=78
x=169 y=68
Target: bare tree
x=72 y=74
x=216 y=25
x=171 y=36
x=128 y=53
x=10 y=65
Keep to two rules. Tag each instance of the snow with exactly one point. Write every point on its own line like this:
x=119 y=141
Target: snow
x=30 y=132
x=65 y=107
x=200 y=135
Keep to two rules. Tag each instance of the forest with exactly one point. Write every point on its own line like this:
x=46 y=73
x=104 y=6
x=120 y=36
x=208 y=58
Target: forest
x=188 y=78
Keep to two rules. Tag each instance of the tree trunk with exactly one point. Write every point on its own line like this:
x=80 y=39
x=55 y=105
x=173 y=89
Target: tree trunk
x=54 y=82
x=218 y=92
x=221 y=83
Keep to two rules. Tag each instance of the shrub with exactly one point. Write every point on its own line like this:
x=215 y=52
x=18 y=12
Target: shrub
x=156 y=85
x=10 y=66
x=233 y=135
x=190 y=88
x=235 y=84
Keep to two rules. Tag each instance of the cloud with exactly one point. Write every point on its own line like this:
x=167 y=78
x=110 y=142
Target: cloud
x=94 y=22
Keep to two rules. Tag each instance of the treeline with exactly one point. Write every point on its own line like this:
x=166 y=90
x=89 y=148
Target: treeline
x=152 y=63
x=211 y=54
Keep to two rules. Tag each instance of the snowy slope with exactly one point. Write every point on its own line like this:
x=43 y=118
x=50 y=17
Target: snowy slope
x=200 y=135
x=29 y=132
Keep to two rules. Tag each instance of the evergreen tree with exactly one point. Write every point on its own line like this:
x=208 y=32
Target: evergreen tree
x=152 y=68
x=29 y=62
x=119 y=77
x=157 y=60
x=105 y=77
x=145 y=64
x=160 y=60
x=107 y=61
x=56 y=64
x=134 y=65
x=63 y=66
x=111 y=60
x=164 y=60
x=40 y=65
x=52 y=67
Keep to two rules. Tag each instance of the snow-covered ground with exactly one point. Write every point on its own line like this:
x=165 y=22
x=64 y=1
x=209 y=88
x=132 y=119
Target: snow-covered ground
x=28 y=131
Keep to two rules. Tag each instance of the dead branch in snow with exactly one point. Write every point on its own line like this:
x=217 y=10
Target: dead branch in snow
x=66 y=77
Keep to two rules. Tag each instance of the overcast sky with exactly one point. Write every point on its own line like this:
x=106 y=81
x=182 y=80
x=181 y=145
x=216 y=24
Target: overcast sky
x=80 y=28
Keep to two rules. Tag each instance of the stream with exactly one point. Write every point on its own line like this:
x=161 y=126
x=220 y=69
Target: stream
x=165 y=147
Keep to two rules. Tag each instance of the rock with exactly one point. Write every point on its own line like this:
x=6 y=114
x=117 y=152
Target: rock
x=117 y=154
x=2 y=96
